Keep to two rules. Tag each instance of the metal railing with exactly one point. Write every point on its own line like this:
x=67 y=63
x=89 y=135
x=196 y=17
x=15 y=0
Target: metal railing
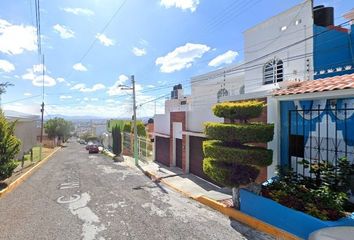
x=320 y=135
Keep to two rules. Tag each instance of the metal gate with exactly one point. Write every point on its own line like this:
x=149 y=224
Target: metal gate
x=145 y=149
x=320 y=135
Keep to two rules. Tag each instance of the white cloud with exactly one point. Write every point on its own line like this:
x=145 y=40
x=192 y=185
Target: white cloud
x=34 y=74
x=143 y=42
x=116 y=89
x=182 y=57
x=79 y=67
x=104 y=40
x=27 y=94
x=6 y=66
x=65 y=97
x=82 y=87
x=139 y=51
x=225 y=58
x=182 y=4
x=78 y=86
x=79 y=11
x=64 y=31
x=62 y=80
x=14 y=39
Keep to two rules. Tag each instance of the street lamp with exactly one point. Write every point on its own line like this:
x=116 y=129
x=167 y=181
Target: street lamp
x=125 y=87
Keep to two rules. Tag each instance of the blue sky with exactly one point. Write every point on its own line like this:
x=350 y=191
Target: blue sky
x=161 y=42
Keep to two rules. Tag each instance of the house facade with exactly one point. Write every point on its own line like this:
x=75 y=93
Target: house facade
x=27 y=129
x=295 y=47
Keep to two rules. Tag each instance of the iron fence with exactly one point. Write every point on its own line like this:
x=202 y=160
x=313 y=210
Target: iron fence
x=320 y=135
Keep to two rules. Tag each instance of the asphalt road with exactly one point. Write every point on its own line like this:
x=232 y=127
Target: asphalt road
x=80 y=196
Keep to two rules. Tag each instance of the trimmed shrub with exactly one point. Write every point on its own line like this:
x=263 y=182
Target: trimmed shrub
x=230 y=174
x=239 y=110
x=117 y=140
x=241 y=133
x=214 y=171
x=127 y=127
x=241 y=155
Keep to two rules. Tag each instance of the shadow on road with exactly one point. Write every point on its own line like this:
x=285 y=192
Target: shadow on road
x=156 y=181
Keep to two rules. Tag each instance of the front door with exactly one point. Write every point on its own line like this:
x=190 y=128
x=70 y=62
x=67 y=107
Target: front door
x=179 y=153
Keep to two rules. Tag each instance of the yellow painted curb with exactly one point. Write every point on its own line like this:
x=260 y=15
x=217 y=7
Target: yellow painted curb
x=27 y=174
x=233 y=213
x=246 y=219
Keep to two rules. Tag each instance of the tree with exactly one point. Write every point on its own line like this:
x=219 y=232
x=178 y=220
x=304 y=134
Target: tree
x=231 y=158
x=9 y=147
x=3 y=87
x=117 y=140
x=58 y=127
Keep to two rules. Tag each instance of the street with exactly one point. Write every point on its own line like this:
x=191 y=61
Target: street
x=80 y=196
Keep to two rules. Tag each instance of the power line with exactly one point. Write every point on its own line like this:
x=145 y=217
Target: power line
x=96 y=39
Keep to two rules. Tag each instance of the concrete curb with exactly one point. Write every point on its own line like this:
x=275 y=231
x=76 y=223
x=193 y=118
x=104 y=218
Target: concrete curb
x=231 y=212
x=26 y=175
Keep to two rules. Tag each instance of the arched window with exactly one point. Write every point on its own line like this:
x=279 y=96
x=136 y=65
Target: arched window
x=222 y=93
x=273 y=71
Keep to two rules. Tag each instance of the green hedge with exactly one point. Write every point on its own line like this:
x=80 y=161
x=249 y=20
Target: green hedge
x=241 y=133
x=245 y=155
x=239 y=110
x=229 y=175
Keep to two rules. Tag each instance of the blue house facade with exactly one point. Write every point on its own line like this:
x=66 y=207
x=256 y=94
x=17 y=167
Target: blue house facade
x=333 y=51
x=318 y=124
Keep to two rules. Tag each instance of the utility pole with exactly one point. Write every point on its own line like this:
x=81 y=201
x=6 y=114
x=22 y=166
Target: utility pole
x=42 y=120
x=42 y=110
x=135 y=124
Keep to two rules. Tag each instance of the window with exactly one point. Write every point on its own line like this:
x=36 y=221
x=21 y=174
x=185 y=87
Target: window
x=222 y=93
x=273 y=71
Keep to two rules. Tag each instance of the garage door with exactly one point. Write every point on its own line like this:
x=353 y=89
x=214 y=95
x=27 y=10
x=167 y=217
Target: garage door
x=162 y=150
x=196 y=157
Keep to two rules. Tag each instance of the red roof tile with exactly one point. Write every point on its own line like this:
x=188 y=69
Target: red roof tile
x=320 y=85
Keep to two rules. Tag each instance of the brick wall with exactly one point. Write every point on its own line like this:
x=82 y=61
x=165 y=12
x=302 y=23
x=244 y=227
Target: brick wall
x=178 y=117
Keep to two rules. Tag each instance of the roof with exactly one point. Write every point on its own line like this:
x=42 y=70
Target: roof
x=321 y=85
x=13 y=115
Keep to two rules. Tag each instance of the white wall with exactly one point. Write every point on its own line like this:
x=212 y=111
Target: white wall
x=268 y=37
x=162 y=123
x=27 y=132
x=205 y=87
x=196 y=119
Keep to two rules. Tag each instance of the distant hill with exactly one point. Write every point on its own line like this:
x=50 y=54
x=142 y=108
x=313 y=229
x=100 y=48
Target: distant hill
x=71 y=118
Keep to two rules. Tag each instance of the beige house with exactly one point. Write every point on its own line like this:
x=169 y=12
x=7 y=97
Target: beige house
x=27 y=129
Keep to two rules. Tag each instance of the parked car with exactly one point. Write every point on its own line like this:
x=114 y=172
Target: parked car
x=93 y=149
x=88 y=145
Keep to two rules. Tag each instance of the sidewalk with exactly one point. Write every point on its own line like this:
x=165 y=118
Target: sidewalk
x=206 y=193
x=187 y=184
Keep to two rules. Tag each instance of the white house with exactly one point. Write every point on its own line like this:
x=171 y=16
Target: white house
x=27 y=129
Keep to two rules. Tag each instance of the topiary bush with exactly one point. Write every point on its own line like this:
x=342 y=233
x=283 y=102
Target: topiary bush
x=242 y=111
x=241 y=133
x=239 y=155
x=230 y=159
